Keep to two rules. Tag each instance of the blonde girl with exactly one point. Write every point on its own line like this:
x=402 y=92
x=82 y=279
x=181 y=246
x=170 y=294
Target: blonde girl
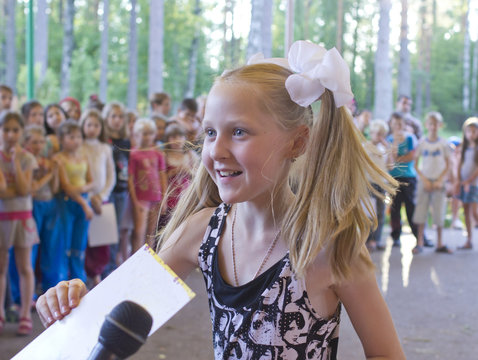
x=147 y=181
x=17 y=226
x=45 y=185
x=278 y=265
x=75 y=182
x=100 y=158
x=466 y=186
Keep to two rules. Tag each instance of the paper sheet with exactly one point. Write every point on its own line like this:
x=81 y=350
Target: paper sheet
x=103 y=228
x=143 y=278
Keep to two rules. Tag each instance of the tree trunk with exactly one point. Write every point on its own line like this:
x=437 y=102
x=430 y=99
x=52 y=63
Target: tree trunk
x=340 y=22
x=193 y=55
x=419 y=82
x=260 y=33
x=383 y=103
x=156 y=46
x=355 y=42
x=474 y=76
x=308 y=4
x=132 y=97
x=404 y=77
x=68 y=47
x=41 y=38
x=466 y=61
x=10 y=48
x=104 y=52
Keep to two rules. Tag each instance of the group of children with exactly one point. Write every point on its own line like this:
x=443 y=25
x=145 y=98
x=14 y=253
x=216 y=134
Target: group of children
x=60 y=165
x=429 y=170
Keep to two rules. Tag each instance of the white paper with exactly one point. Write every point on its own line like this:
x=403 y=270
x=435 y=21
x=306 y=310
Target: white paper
x=143 y=278
x=103 y=228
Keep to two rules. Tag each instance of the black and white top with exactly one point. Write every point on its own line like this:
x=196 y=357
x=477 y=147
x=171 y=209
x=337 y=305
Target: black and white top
x=268 y=318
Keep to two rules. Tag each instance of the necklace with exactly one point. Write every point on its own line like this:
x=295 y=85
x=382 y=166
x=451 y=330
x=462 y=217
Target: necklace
x=264 y=260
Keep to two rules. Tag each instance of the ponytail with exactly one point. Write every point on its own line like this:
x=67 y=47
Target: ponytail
x=331 y=208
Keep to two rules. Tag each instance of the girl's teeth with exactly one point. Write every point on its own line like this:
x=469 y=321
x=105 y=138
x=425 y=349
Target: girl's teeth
x=227 y=173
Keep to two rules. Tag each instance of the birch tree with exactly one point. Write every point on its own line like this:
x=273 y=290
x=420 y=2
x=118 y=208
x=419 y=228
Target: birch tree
x=193 y=54
x=68 y=47
x=156 y=46
x=404 y=77
x=340 y=22
x=419 y=83
x=10 y=48
x=41 y=38
x=466 y=60
x=104 y=51
x=260 y=33
x=133 y=59
x=474 y=76
x=383 y=104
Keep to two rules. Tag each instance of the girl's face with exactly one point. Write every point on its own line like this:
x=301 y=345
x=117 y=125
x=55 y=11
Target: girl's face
x=145 y=138
x=160 y=128
x=396 y=125
x=376 y=136
x=245 y=150
x=54 y=117
x=35 y=143
x=12 y=133
x=92 y=127
x=176 y=142
x=71 y=110
x=471 y=134
x=131 y=121
x=72 y=141
x=36 y=116
x=115 y=119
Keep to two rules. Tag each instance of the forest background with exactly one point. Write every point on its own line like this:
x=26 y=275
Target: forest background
x=126 y=49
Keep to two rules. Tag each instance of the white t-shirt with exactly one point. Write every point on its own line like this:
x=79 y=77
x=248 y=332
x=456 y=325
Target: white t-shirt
x=433 y=157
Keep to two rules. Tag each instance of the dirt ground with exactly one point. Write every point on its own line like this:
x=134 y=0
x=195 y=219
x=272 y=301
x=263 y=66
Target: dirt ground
x=432 y=298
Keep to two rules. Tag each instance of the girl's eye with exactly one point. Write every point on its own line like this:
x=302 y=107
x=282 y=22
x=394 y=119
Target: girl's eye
x=210 y=132
x=239 y=132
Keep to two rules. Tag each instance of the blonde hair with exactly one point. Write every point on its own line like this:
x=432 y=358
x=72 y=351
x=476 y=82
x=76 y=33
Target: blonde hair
x=380 y=126
x=106 y=113
x=332 y=216
x=143 y=123
x=32 y=129
x=435 y=115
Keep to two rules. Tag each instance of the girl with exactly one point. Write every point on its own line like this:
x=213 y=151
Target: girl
x=72 y=108
x=181 y=163
x=45 y=210
x=147 y=181
x=32 y=112
x=117 y=136
x=466 y=185
x=278 y=264
x=100 y=157
x=17 y=227
x=75 y=181
x=54 y=117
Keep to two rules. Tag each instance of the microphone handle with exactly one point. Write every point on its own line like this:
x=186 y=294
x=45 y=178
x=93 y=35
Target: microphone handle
x=99 y=352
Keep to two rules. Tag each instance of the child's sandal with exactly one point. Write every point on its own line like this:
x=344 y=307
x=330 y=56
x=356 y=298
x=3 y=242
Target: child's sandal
x=25 y=327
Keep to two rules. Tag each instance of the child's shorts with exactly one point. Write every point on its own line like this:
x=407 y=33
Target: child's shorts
x=436 y=200
x=18 y=233
x=469 y=196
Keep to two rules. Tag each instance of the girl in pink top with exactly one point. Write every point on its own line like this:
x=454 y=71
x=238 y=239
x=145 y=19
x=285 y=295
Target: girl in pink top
x=147 y=181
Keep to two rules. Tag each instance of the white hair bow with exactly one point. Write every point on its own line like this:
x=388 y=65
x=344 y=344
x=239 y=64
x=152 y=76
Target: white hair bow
x=316 y=69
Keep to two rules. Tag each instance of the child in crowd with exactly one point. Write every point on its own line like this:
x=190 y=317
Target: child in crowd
x=403 y=146
x=377 y=149
x=466 y=186
x=131 y=117
x=147 y=182
x=54 y=117
x=454 y=143
x=100 y=158
x=264 y=257
x=186 y=118
x=433 y=152
x=161 y=123
x=75 y=181
x=32 y=112
x=117 y=135
x=6 y=98
x=72 y=108
x=181 y=163
x=45 y=210
x=17 y=226
x=160 y=103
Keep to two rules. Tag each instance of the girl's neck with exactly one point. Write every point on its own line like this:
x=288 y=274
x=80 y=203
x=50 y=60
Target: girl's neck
x=432 y=137
x=114 y=135
x=71 y=153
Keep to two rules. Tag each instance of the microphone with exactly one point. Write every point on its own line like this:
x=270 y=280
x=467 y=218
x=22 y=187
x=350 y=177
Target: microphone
x=123 y=332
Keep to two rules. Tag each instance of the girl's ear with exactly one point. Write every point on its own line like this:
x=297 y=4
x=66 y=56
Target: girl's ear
x=299 y=142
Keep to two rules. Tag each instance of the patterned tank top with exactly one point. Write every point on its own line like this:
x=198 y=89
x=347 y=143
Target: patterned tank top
x=76 y=172
x=268 y=318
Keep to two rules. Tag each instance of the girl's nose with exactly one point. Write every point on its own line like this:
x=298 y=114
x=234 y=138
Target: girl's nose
x=219 y=149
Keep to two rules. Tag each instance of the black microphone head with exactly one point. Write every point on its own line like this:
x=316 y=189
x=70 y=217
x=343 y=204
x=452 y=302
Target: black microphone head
x=125 y=329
